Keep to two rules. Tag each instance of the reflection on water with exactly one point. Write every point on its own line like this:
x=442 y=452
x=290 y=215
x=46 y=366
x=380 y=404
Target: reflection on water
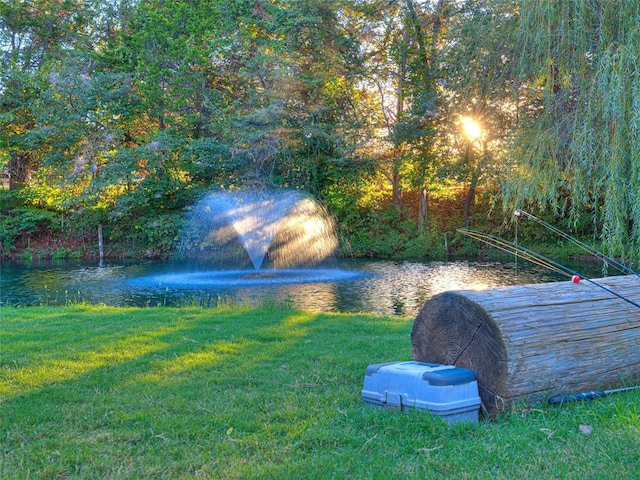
x=402 y=288
x=386 y=287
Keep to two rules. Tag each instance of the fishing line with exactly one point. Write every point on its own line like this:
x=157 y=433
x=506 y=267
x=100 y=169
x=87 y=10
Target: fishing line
x=538 y=259
x=520 y=251
x=584 y=246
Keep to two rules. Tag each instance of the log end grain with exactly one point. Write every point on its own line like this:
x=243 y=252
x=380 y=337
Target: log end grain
x=450 y=329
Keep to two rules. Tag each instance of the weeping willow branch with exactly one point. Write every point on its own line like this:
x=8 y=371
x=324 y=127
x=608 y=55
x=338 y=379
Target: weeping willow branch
x=577 y=142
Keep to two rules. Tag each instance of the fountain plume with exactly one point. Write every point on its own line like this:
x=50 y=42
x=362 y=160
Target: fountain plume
x=260 y=228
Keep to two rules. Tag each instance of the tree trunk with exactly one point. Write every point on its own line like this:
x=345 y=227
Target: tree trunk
x=473 y=185
x=423 y=210
x=20 y=167
x=466 y=212
x=528 y=342
x=396 y=188
x=396 y=179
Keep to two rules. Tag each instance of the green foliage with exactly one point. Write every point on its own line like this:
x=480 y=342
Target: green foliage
x=64 y=253
x=21 y=222
x=114 y=113
x=160 y=234
x=388 y=233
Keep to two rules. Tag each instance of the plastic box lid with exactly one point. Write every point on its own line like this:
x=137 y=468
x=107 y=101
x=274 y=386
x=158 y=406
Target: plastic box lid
x=441 y=389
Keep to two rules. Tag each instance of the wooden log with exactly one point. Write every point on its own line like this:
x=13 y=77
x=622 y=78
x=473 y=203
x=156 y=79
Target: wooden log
x=528 y=342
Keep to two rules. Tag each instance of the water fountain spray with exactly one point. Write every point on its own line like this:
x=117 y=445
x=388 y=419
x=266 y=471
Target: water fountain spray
x=259 y=228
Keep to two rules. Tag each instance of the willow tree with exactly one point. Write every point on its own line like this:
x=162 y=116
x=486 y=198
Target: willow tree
x=577 y=145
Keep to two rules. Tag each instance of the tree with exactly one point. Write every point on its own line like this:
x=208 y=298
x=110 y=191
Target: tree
x=479 y=56
x=420 y=125
x=31 y=33
x=297 y=73
x=18 y=91
x=39 y=39
x=402 y=97
x=577 y=143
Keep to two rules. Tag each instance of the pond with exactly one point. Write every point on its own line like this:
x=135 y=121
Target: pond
x=382 y=287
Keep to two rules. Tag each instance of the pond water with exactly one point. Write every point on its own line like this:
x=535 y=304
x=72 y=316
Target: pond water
x=383 y=287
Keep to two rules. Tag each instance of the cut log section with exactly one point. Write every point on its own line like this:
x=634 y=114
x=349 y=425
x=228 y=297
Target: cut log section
x=528 y=342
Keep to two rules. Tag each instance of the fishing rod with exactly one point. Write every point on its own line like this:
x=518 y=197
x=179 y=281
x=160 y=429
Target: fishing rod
x=515 y=249
x=526 y=254
x=593 y=394
x=584 y=246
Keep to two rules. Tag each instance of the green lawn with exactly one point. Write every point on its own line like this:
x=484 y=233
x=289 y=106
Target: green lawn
x=162 y=393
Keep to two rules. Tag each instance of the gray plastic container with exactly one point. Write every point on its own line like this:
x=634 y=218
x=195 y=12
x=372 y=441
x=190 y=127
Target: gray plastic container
x=444 y=390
